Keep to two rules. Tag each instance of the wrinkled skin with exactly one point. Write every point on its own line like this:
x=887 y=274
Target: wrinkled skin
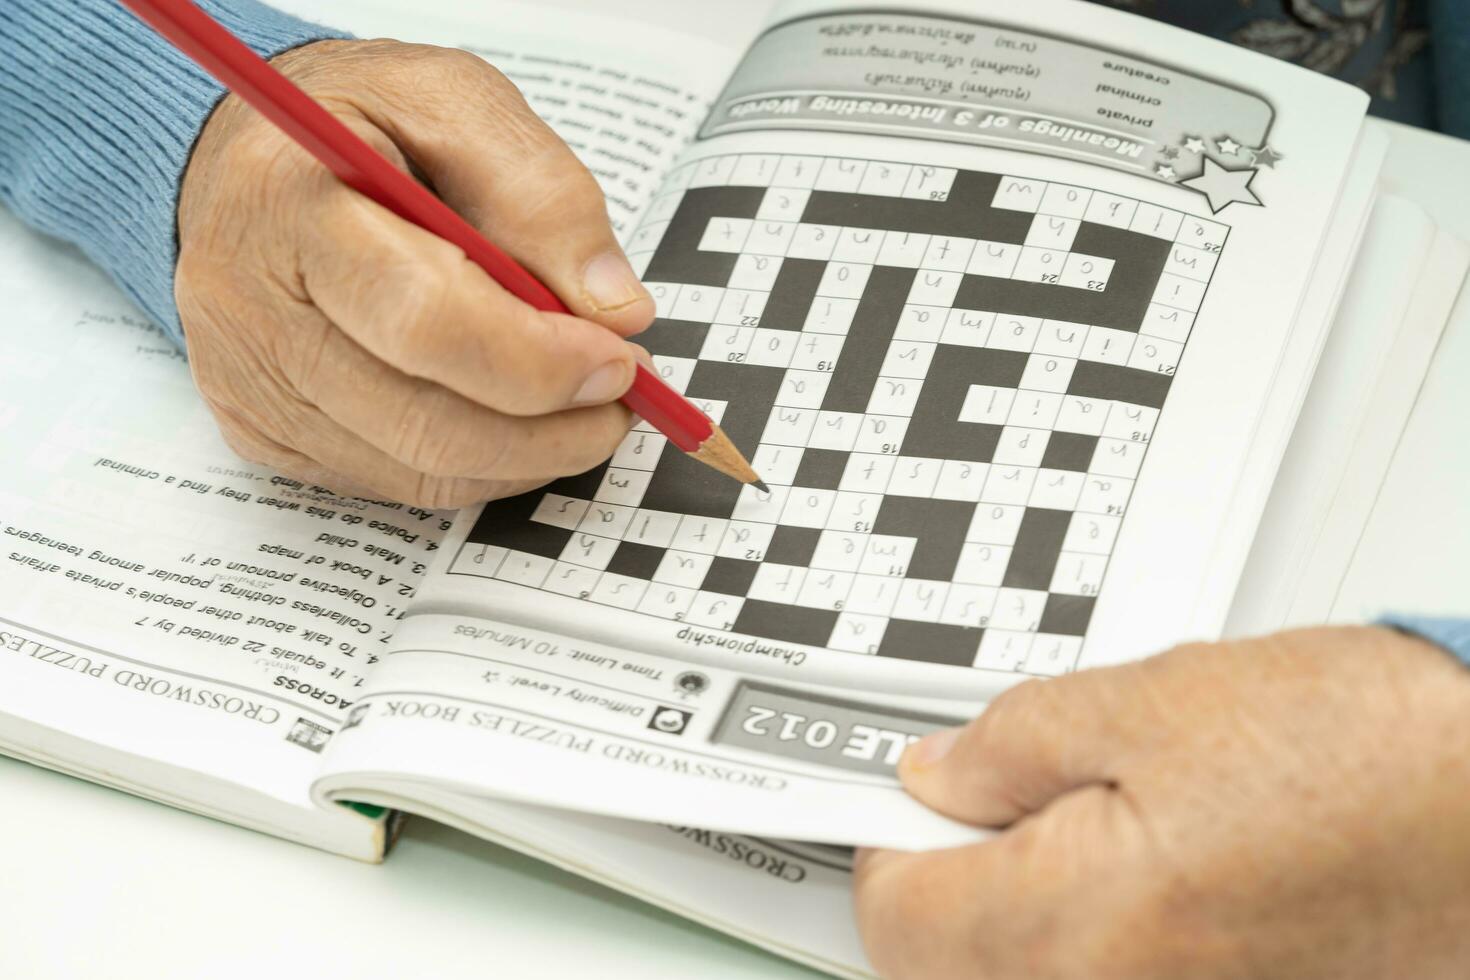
x=1295 y=806
x=344 y=346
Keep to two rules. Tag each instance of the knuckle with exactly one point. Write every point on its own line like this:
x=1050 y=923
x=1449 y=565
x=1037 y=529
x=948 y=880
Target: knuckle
x=445 y=493
x=418 y=439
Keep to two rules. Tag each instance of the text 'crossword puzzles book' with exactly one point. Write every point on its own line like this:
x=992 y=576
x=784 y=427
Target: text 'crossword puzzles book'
x=1014 y=307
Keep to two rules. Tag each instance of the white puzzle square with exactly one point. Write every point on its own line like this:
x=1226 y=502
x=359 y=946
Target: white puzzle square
x=840 y=550
x=797 y=171
x=844 y=280
x=935 y=288
x=665 y=601
x=724 y=235
x=559 y=511
x=778 y=583
x=830 y=315
x=622 y=591
x=927 y=183
x=904 y=249
x=857 y=245
x=1018 y=194
x=1110 y=210
x=921 y=600
x=769 y=237
x=812 y=242
x=755 y=272
x=921 y=323
x=885 y=179
x=961 y=480
x=968 y=605
x=835 y=430
x=753 y=169
x=858 y=633
x=1011 y=332
x=683 y=568
x=1065 y=200
x=946 y=254
x=824 y=589
x=654 y=528
x=783 y=204
x=741 y=307
x=1049 y=231
x=867 y=473
x=967 y=328
x=1056 y=489
x=994 y=259
x=700 y=534
x=841 y=175
x=746 y=540
x=995 y=524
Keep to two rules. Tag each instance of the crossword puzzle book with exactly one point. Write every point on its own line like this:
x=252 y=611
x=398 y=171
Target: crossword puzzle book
x=1059 y=336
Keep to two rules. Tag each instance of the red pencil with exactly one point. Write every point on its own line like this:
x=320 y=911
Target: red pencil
x=365 y=170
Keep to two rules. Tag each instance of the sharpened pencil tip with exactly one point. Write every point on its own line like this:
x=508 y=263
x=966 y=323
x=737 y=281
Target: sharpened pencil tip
x=761 y=486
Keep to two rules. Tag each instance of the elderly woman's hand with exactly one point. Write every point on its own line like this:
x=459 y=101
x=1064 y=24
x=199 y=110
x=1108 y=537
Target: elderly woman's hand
x=1292 y=807
x=345 y=346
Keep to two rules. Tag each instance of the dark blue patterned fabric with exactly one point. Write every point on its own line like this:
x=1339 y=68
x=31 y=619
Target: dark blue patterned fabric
x=1412 y=56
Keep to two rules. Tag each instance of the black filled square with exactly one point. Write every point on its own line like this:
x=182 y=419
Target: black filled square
x=935 y=643
x=793 y=624
x=793 y=545
x=674 y=338
x=1067 y=615
x=792 y=294
x=1092 y=379
x=1037 y=547
x=635 y=560
x=1069 y=451
x=821 y=469
x=730 y=576
x=903 y=516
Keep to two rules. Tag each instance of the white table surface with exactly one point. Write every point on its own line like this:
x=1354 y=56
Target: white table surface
x=96 y=883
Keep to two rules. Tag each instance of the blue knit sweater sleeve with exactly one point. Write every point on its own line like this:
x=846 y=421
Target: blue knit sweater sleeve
x=1452 y=634
x=98 y=116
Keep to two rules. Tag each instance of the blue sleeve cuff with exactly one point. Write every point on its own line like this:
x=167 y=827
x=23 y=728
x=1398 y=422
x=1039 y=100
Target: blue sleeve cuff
x=98 y=117
x=1452 y=634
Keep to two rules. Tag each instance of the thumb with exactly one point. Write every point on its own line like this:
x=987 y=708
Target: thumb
x=1032 y=744
x=491 y=158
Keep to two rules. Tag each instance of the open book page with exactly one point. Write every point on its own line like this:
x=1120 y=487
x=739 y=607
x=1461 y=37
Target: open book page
x=181 y=610
x=1000 y=317
x=626 y=95
x=1404 y=282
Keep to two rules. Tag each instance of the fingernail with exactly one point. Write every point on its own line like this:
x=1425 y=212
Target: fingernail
x=610 y=283
x=604 y=384
x=933 y=747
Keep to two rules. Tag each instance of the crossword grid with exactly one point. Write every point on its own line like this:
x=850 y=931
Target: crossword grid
x=950 y=424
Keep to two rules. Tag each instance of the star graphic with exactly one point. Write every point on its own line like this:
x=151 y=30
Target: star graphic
x=1227 y=145
x=1169 y=152
x=1265 y=157
x=1222 y=187
x=1165 y=171
x=1194 y=144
